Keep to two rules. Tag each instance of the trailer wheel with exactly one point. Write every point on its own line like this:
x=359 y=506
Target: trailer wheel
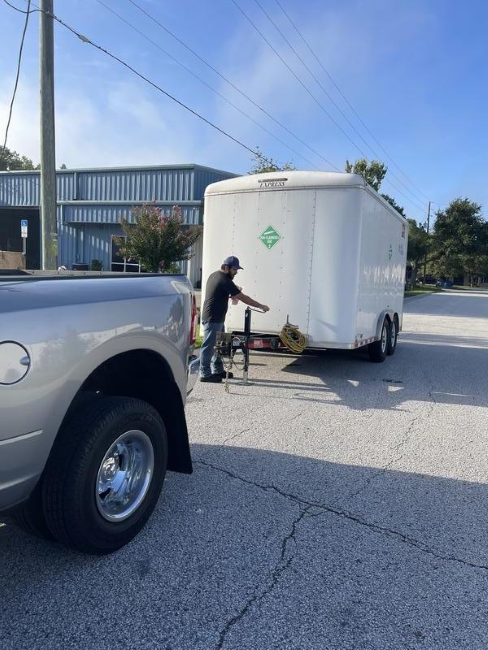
x=105 y=474
x=393 y=338
x=378 y=351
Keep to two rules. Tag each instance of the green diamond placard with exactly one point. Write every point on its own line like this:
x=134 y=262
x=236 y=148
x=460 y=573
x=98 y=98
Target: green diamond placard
x=270 y=237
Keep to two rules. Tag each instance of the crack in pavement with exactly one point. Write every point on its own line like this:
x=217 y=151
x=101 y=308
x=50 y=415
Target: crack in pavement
x=236 y=435
x=400 y=445
x=281 y=566
x=384 y=468
x=349 y=516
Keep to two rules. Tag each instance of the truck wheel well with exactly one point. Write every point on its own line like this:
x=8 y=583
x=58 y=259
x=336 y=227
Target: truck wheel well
x=145 y=375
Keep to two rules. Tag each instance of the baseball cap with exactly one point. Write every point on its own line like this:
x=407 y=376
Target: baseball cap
x=233 y=262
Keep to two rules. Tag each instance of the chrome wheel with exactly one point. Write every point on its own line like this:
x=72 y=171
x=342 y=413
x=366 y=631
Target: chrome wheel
x=124 y=475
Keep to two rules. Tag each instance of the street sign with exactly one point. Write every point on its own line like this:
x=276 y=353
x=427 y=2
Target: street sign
x=270 y=237
x=24 y=224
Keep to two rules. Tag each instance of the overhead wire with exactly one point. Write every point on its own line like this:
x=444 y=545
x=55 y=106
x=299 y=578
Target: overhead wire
x=196 y=76
x=346 y=100
x=329 y=96
x=320 y=105
x=116 y=58
x=21 y=11
x=231 y=84
x=19 y=64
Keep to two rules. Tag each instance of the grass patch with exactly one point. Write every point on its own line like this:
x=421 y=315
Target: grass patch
x=422 y=290
x=458 y=288
x=198 y=342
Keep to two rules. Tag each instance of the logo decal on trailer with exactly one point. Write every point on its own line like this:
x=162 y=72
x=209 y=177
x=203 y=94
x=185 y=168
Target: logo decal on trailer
x=271 y=182
x=270 y=237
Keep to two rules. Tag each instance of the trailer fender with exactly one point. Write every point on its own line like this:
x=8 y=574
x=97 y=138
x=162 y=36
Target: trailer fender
x=386 y=313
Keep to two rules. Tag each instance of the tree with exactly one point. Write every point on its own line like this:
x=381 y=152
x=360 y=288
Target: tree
x=157 y=240
x=419 y=246
x=460 y=240
x=11 y=160
x=395 y=205
x=373 y=172
x=63 y=166
x=261 y=166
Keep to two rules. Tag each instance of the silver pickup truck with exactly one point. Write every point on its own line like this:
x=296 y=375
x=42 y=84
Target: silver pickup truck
x=94 y=373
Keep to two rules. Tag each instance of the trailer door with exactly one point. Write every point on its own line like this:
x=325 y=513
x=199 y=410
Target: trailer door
x=273 y=237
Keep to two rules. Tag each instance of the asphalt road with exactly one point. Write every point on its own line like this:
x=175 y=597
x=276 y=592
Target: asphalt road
x=335 y=504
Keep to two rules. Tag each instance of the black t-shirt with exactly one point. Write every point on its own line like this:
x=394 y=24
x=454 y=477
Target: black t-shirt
x=219 y=288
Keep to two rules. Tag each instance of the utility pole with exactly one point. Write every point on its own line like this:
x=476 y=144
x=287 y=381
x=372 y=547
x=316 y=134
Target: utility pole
x=428 y=230
x=49 y=230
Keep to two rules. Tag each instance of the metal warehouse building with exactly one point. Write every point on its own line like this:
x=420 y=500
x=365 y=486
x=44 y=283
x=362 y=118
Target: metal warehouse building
x=91 y=204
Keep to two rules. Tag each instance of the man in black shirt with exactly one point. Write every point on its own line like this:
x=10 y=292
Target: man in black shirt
x=220 y=287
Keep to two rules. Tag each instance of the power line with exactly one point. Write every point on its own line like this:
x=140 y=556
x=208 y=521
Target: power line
x=242 y=93
x=88 y=41
x=329 y=96
x=346 y=99
x=21 y=11
x=304 y=86
x=222 y=76
x=182 y=65
x=324 y=110
x=19 y=63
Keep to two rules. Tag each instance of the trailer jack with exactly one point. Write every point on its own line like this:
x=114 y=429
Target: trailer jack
x=228 y=345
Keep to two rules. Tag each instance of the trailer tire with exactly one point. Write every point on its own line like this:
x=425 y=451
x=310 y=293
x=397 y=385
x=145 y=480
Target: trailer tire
x=393 y=337
x=378 y=351
x=105 y=474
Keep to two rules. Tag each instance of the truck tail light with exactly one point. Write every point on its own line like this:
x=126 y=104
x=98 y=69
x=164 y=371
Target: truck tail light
x=193 y=326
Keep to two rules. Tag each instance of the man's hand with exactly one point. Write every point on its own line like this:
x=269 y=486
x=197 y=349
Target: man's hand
x=265 y=308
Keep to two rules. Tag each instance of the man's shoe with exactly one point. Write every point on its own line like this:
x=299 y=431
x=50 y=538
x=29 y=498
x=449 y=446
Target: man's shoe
x=212 y=379
x=223 y=374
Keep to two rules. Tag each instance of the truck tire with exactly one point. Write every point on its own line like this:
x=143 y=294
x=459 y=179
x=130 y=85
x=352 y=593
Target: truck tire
x=378 y=350
x=105 y=474
x=29 y=516
x=393 y=338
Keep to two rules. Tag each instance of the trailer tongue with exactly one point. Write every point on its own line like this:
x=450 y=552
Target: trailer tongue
x=230 y=344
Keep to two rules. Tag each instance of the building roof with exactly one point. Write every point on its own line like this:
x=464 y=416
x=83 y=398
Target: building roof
x=124 y=168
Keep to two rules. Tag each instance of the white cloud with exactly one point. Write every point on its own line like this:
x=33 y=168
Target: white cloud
x=129 y=126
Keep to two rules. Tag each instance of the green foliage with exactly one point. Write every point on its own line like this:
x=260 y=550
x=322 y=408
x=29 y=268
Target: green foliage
x=96 y=265
x=11 y=160
x=460 y=240
x=394 y=204
x=156 y=240
x=261 y=166
x=373 y=172
x=419 y=246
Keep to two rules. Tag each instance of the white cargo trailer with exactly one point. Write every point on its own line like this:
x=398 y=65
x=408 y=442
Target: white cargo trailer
x=320 y=248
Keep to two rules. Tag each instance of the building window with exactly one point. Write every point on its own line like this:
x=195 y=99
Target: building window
x=120 y=263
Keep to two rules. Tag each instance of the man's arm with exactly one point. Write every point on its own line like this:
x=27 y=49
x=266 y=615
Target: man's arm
x=249 y=301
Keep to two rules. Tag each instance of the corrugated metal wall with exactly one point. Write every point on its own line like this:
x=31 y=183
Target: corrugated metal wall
x=93 y=202
x=113 y=214
x=204 y=177
x=21 y=188
x=137 y=185
x=131 y=185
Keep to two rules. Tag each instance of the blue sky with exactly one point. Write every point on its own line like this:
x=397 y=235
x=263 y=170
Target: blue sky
x=415 y=70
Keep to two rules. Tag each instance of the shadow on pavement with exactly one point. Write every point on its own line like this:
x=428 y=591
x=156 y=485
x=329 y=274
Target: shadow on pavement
x=260 y=549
